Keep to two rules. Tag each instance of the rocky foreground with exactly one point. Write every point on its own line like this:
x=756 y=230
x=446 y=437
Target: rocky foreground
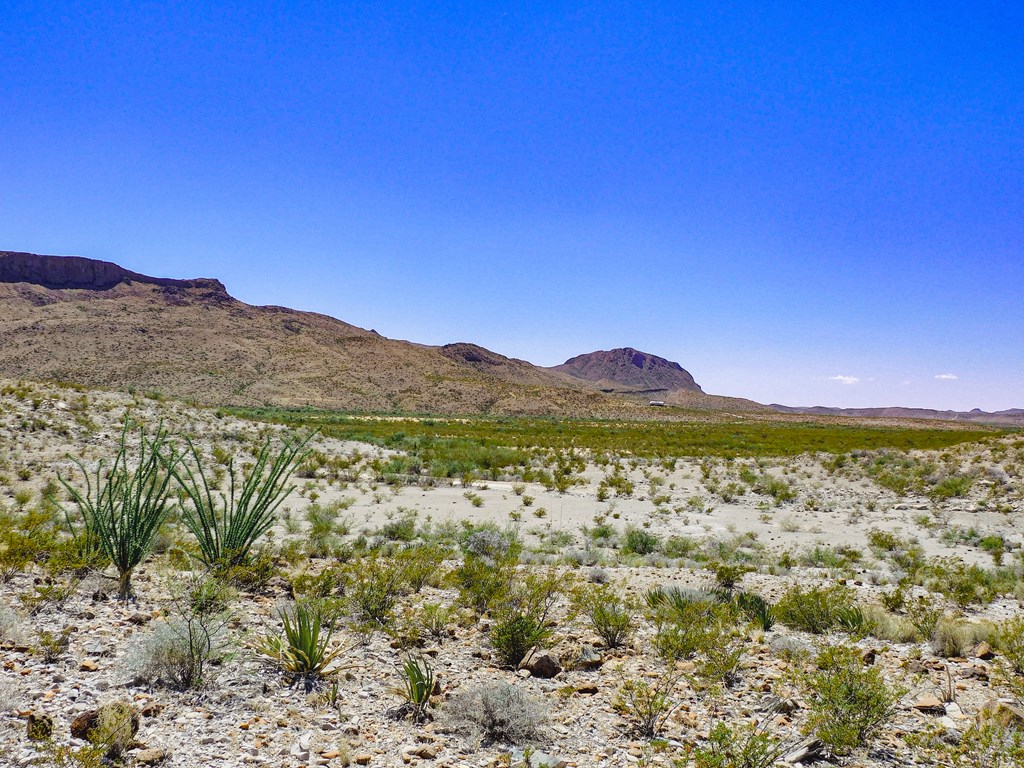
x=946 y=656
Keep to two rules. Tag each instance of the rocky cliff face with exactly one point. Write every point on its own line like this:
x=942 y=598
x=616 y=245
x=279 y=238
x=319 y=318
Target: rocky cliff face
x=57 y=272
x=628 y=369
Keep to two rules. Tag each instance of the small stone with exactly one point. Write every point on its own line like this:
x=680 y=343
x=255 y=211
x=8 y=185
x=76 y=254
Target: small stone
x=930 y=704
x=543 y=665
x=151 y=756
x=363 y=758
x=982 y=651
x=89 y=665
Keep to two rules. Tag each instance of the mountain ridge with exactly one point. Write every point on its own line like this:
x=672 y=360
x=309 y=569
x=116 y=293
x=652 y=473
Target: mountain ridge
x=97 y=324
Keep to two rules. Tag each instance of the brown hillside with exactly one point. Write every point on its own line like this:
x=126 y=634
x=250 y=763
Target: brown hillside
x=97 y=324
x=627 y=370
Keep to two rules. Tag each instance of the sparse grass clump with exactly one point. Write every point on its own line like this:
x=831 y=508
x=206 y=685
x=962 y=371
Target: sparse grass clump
x=497 y=713
x=819 y=609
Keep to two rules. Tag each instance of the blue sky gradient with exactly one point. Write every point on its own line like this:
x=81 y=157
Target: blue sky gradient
x=801 y=205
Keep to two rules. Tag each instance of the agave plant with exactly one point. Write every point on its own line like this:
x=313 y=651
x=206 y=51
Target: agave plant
x=305 y=651
x=417 y=687
x=123 y=505
x=227 y=525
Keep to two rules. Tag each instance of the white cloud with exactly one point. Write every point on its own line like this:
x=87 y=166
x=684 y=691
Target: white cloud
x=844 y=379
x=946 y=376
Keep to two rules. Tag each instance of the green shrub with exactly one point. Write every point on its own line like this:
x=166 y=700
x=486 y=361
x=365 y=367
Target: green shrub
x=818 y=609
x=851 y=701
x=740 y=746
x=522 y=620
x=372 y=589
x=639 y=542
x=610 y=616
x=648 y=705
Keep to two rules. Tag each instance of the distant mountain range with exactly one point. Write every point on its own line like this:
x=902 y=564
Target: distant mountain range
x=92 y=322
x=1012 y=416
x=95 y=323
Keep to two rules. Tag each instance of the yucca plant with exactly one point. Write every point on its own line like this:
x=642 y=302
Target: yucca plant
x=417 y=687
x=123 y=505
x=305 y=651
x=226 y=526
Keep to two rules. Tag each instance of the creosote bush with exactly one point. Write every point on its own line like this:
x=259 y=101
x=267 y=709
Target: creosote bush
x=610 y=616
x=819 y=609
x=648 y=704
x=851 y=701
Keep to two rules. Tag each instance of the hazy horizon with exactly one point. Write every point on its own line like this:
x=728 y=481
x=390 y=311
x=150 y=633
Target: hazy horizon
x=807 y=206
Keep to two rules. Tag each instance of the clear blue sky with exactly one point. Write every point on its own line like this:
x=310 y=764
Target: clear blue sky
x=806 y=203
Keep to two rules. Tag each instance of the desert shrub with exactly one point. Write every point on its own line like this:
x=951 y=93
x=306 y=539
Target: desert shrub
x=985 y=744
x=253 y=574
x=729 y=575
x=401 y=529
x=720 y=659
x=374 y=585
x=325 y=528
x=180 y=649
x=687 y=622
x=497 y=713
x=739 y=746
x=521 y=622
x=1009 y=639
x=680 y=546
x=421 y=565
x=648 y=705
x=435 y=620
x=953 y=486
x=888 y=626
x=962 y=583
x=637 y=541
x=610 y=616
x=851 y=701
x=818 y=609
x=327 y=583
x=25 y=538
x=953 y=636
x=227 y=526
x=488 y=568
x=123 y=505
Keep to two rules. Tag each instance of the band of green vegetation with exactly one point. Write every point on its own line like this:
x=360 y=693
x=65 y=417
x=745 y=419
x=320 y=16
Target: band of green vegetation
x=486 y=444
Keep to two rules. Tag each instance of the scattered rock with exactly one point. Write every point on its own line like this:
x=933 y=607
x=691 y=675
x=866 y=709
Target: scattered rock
x=806 y=752
x=536 y=759
x=151 y=756
x=931 y=705
x=543 y=665
x=982 y=651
